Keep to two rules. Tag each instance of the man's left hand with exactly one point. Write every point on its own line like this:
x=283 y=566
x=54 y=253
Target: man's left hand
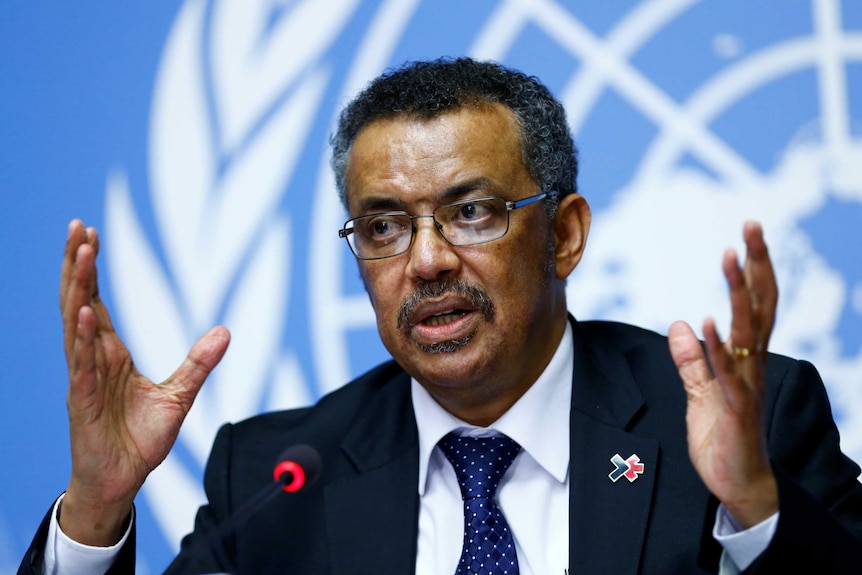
x=726 y=434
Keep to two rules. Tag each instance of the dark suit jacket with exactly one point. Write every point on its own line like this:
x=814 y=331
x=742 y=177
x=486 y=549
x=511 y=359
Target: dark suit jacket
x=361 y=516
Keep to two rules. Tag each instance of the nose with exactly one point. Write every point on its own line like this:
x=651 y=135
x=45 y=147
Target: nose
x=431 y=256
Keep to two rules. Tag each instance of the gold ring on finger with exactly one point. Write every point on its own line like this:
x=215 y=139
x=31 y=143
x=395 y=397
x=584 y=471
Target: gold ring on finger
x=742 y=351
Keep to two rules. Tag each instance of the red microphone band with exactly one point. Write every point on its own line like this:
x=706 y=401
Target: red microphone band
x=297 y=475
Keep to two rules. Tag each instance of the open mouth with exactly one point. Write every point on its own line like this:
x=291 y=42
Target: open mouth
x=449 y=322
x=444 y=331
x=443 y=318
x=435 y=305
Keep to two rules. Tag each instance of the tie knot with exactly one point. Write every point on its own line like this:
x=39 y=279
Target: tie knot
x=479 y=462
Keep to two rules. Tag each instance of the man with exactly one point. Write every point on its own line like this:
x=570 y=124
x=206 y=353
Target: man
x=459 y=178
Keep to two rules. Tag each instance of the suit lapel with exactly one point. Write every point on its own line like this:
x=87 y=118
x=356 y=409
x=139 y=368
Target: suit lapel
x=372 y=510
x=608 y=519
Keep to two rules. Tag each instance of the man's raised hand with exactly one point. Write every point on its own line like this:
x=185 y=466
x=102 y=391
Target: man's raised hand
x=122 y=425
x=726 y=435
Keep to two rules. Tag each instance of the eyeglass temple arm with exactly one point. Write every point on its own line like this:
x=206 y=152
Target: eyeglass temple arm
x=526 y=201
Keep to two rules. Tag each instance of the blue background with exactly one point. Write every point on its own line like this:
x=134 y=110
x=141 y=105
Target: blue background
x=75 y=102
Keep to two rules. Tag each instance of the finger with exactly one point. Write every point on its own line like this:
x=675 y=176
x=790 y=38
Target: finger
x=93 y=241
x=724 y=368
x=83 y=379
x=93 y=238
x=744 y=347
x=77 y=236
x=742 y=331
x=81 y=285
x=760 y=278
x=687 y=354
x=204 y=355
x=103 y=317
x=74 y=238
x=77 y=293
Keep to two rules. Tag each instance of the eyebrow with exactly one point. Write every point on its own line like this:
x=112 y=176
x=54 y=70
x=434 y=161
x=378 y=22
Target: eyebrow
x=455 y=193
x=447 y=195
x=380 y=204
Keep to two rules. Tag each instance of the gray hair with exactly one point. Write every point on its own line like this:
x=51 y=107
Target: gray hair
x=428 y=89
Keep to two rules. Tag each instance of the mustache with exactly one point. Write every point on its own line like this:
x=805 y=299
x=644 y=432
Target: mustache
x=472 y=292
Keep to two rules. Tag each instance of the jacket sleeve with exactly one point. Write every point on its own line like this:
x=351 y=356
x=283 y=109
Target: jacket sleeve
x=820 y=498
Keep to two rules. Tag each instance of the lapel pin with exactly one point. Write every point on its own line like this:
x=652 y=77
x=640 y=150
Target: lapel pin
x=630 y=468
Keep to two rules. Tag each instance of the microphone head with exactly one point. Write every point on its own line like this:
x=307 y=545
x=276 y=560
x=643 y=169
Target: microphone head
x=297 y=466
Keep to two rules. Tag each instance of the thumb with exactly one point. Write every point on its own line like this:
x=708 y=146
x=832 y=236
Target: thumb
x=204 y=355
x=685 y=348
x=689 y=358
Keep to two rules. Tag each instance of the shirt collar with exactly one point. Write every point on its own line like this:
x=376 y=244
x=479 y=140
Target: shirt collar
x=542 y=412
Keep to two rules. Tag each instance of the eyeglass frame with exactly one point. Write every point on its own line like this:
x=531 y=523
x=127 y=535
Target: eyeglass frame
x=344 y=232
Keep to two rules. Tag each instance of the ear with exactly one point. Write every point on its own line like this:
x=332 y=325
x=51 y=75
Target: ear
x=571 y=226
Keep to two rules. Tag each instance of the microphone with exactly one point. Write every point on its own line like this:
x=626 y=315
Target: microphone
x=296 y=467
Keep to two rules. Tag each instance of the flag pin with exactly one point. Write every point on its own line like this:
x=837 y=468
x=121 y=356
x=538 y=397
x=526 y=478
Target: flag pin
x=630 y=468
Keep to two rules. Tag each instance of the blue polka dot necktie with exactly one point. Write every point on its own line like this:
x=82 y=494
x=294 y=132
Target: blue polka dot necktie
x=480 y=463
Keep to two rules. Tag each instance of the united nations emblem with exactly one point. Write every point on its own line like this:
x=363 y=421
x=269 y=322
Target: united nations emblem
x=238 y=225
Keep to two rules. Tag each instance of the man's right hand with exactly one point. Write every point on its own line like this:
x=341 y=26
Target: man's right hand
x=122 y=425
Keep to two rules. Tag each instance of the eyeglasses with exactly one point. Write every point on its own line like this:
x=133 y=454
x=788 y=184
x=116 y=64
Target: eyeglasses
x=462 y=223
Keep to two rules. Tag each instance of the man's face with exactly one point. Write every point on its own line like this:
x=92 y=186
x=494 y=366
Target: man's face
x=475 y=325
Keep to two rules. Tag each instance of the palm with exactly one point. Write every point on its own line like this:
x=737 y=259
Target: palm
x=128 y=422
x=723 y=418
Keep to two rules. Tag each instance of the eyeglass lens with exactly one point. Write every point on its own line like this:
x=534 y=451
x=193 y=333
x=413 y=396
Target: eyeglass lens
x=462 y=223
